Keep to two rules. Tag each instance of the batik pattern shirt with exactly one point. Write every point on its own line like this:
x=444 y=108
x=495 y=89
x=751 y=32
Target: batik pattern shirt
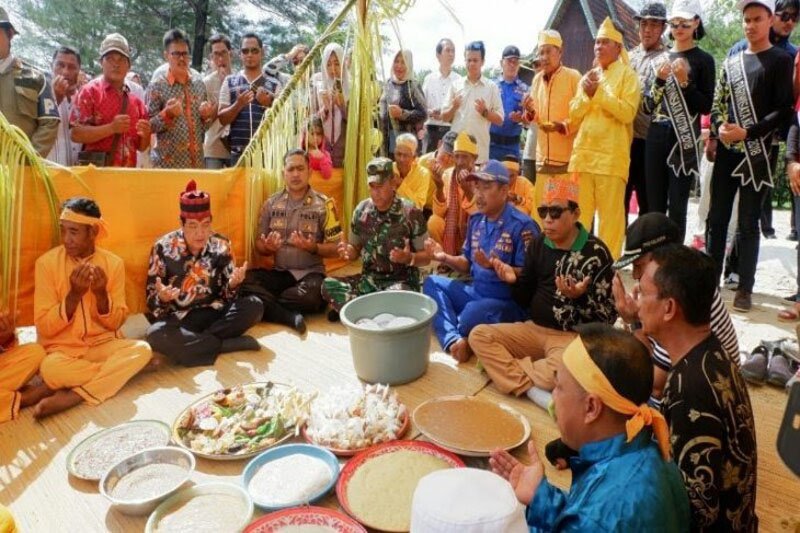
x=713 y=438
x=203 y=279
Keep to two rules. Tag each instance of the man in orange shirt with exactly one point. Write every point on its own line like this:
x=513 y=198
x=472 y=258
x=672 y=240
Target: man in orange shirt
x=79 y=307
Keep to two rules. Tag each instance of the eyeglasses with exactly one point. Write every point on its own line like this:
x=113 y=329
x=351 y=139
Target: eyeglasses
x=246 y=51
x=179 y=55
x=786 y=16
x=555 y=211
x=682 y=25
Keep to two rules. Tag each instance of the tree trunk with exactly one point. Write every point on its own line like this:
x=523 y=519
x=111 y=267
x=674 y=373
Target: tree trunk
x=200 y=21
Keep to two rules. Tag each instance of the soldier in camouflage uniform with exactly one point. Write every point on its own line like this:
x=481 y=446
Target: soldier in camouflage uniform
x=389 y=233
x=26 y=97
x=298 y=227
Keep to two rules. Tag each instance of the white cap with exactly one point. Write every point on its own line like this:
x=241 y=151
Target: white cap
x=466 y=500
x=769 y=4
x=685 y=9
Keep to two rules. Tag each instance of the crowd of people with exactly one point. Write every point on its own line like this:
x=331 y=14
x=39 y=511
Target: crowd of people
x=655 y=421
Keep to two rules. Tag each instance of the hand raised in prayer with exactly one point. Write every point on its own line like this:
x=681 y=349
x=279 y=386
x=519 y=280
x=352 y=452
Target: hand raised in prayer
x=403 y=255
x=503 y=270
x=481 y=259
x=270 y=243
x=166 y=293
x=7 y=329
x=435 y=250
x=395 y=111
x=346 y=250
x=80 y=280
x=121 y=123
x=143 y=128
x=627 y=304
x=173 y=107
x=570 y=288
x=237 y=276
x=99 y=280
x=523 y=479
x=264 y=97
x=297 y=240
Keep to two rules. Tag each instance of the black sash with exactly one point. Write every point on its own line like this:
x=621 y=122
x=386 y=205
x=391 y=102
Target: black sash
x=755 y=167
x=684 y=157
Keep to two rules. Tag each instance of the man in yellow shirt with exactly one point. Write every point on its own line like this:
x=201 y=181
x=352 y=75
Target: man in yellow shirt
x=411 y=180
x=553 y=87
x=520 y=190
x=18 y=364
x=453 y=197
x=79 y=307
x=604 y=110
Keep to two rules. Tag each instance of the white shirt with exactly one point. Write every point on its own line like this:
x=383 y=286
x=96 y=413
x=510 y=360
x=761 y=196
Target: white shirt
x=436 y=88
x=64 y=151
x=466 y=118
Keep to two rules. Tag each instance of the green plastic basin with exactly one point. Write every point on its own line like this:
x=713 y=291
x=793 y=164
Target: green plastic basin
x=396 y=355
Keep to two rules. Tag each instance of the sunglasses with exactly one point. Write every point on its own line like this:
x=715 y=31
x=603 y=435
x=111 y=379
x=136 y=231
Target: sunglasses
x=682 y=25
x=246 y=51
x=555 y=211
x=786 y=16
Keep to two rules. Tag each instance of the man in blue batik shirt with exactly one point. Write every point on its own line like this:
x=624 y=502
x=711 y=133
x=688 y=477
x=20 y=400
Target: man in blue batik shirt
x=505 y=139
x=621 y=479
x=494 y=253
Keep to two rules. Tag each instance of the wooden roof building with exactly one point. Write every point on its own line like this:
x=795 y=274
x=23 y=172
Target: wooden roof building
x=578 y=21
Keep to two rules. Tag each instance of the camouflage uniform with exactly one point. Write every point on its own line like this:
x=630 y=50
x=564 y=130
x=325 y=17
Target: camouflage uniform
x=295 y=279
x=378 y=233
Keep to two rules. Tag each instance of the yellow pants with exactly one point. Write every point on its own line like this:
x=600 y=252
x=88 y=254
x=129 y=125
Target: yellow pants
x=99 y=374
x=17 y=366
x=520 y=355
x=604 y=195
x=7 y=524
x=538 y=192
x=436 y=228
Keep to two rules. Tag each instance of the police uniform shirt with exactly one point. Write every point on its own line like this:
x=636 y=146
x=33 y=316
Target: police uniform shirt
x=314 y=216
x=507 y=238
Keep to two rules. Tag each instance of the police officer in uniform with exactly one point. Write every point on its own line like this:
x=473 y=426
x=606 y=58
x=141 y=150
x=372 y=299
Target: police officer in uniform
x=388 y=233
x=26 y=98
x=298 y=227
x=505 y=139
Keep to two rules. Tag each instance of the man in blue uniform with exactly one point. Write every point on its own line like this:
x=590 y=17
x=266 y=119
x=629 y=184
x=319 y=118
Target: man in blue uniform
x=505 y=139
x=493 y=254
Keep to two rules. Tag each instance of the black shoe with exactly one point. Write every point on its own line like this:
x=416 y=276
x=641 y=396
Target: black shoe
x=244 y=343
x=333 y=315
x=300 y=324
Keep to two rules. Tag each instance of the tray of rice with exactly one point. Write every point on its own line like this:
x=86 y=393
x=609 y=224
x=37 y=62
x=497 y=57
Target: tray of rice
x=242 y=421
x=206 y=508
x=290 y=475
x=469 y=426
x=305 y=520
x=376 y=486
x=349 y=419
x=94 y=455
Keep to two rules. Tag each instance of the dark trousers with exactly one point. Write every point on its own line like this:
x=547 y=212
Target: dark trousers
x=197 y=339
x=636 y=178
x=723 y=191
x=667 y=192
x=434 y=135
x=282 y=295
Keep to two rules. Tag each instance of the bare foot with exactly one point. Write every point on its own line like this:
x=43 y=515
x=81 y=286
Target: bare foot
x=460 y=350
x=156 y=363
x=33 y=394
x=61 y=400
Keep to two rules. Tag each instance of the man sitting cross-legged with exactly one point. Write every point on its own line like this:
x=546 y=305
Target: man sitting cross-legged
x=621 y=479
x=78 y=309
x=192 y=290
x=566 y=281
x=493 y=254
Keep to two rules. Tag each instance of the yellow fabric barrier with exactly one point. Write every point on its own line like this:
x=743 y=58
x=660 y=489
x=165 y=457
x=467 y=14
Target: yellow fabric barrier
x=140 y=205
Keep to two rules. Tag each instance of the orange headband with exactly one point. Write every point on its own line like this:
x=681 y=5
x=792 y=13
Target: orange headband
x=592 y=379
x=100 y=223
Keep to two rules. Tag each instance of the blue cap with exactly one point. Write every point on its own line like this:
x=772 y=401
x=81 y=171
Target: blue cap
x=492 y=170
